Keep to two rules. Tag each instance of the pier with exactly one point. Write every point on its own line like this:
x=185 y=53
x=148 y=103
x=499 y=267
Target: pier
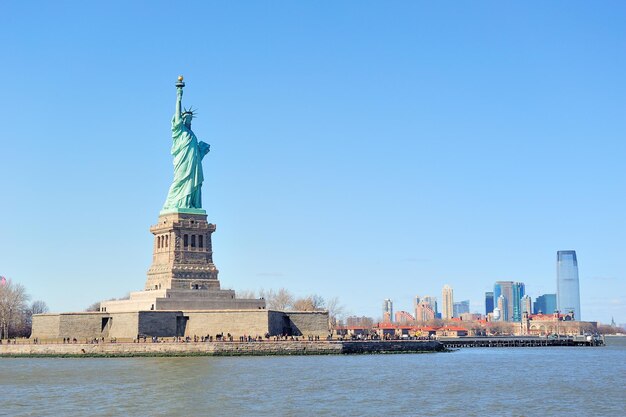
x=519 y=341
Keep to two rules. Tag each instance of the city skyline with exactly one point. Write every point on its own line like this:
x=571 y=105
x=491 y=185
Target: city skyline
x=509 y=299
x=368 y=140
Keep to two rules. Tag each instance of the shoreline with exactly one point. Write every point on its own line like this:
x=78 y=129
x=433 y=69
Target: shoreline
x=265 y=348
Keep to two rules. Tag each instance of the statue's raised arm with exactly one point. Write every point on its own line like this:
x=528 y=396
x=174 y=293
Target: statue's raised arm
x=179 y=99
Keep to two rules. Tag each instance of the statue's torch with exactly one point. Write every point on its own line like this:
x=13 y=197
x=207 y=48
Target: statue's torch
x=180 y=83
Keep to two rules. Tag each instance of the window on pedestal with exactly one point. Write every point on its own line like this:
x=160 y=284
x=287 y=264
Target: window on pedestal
x=193 y=241
x=186 y=240
x=200 y=241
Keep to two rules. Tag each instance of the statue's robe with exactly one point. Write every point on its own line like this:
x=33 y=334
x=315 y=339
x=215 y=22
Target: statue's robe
x=185 y=191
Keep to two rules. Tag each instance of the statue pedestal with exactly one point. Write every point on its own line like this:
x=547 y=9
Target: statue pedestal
x=182 y=256
x=182 y=275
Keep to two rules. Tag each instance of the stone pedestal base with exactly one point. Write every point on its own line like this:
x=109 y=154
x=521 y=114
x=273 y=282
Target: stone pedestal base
x=174 y=299
x=183 y=254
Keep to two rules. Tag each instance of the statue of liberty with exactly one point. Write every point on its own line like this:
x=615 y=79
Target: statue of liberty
x=185 y=191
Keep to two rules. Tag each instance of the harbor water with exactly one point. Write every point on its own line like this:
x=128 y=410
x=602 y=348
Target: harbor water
x=537 y=381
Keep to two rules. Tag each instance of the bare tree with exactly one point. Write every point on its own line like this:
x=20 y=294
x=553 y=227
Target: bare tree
x=310 y=303
x=23 y=324
x=278 y=300
x=247 y=294
x=362 y=321
x=501 y=327
x=435 y=323
x=607 y=329
x=93 y=307
x=335 y=312
x=13 y=306
x=39 y=307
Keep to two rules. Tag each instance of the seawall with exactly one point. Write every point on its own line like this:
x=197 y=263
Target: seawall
x=265 y=348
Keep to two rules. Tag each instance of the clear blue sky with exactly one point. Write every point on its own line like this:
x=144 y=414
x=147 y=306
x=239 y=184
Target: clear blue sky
x=363 y=150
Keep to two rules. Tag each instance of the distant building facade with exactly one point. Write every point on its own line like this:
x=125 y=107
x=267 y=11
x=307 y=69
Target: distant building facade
x=424 y=312
x=359 y=321
x=425 y=308
x=519 y=291
x=567 y=285
x=556 y=323
x=503 y=309
x=403 y=317
x=460 y=307
x=513 y=293
x=527 y=304
x=447 y=297
x=387 y=310
x=489 y=302
x=432 y=302
x=545 y=304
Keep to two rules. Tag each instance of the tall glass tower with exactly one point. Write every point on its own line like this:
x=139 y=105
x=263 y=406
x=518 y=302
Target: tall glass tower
x=519 y=290
x=513 y=293
x=488 y=302
x=567 y=287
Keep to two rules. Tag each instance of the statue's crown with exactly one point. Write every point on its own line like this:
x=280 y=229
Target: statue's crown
x=190 y=111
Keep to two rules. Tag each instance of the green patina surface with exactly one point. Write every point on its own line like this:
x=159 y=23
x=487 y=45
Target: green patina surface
x=188 y=152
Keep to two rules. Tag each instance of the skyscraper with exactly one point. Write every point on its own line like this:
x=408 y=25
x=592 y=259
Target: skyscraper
x=503 y=308
x=488 y=302
x=545 y=304
x=425 y=308
x=387 y=310
x=423 y=312
x=567 y=286
x=518 y=292
x=447 y=297
x=432 y=302
x=526 y=304
x=460 y=308
x=513 y=293
x=504 y=289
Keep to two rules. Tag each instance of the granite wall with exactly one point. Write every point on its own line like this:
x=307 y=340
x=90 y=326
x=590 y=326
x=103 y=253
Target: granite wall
x=308 y=323
x=258 y=322
x=220 y=348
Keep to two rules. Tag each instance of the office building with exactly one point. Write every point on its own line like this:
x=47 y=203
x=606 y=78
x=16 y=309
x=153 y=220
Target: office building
x=527 y=304
x=503 y=308
x=404 y=317
x=461 y=307
x=432 y=302
x=567 y=285
x=387 y=310
x=488 y=302
x=519 y=290
x=513 y=293
x=447 y=297
x=545 y=304
x=424 y=311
